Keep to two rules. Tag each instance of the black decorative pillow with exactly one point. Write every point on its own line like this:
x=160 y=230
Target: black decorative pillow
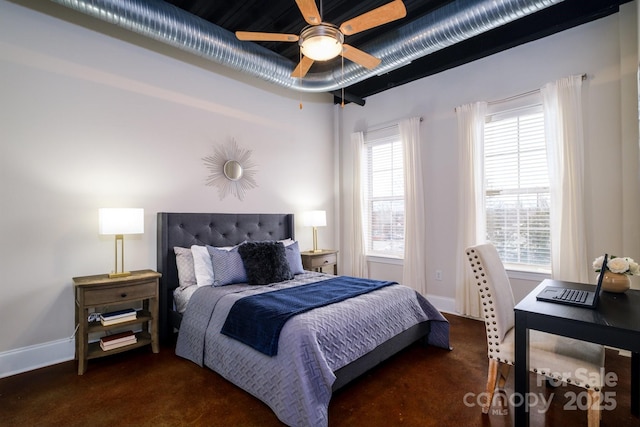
x=265 y=262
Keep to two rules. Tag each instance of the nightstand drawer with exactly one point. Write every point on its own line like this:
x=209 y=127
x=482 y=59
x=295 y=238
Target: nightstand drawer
x=322 y=260
x=120 y=293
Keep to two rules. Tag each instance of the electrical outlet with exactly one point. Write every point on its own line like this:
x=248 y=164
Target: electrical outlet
x=438 y=274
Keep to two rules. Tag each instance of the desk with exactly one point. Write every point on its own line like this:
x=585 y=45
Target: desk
x=615 y=322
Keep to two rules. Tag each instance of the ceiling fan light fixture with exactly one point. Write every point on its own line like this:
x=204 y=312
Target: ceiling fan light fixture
x=321 y=42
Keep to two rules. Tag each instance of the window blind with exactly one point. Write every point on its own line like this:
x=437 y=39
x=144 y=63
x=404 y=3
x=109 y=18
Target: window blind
x=517 y=187
x=384 y=193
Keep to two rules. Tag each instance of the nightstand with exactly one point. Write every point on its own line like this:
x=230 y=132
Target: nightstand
x=316 y=261
x=101 y=292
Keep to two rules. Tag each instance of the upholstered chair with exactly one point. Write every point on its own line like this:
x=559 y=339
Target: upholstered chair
x=563 y=360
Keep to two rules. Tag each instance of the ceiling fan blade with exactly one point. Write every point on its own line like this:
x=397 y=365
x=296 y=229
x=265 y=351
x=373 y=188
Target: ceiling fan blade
x=303 y=68
x=381 y=15
x=266 y=37
x=359 y=57
x=309 y=11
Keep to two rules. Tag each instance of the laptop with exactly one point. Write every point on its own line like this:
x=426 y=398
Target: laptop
x=574 y=297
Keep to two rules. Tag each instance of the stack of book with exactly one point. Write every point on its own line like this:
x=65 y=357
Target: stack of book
x=121 y=339
x=115 y=317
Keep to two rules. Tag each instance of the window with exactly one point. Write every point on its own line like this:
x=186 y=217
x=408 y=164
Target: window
x=384 y=193
x=517 y=188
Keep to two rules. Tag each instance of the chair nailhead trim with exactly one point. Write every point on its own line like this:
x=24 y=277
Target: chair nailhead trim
x=489 y=314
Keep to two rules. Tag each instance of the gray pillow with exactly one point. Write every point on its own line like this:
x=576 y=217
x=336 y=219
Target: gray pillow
x=293 y=258
x=227 y=266
x=184 y=262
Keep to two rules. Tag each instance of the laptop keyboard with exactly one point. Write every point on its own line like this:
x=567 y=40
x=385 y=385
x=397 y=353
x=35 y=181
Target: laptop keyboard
x=573 y=295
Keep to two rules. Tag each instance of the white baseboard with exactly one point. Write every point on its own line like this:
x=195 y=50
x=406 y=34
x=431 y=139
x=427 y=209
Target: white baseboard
x=36 y=356
x=448 y=305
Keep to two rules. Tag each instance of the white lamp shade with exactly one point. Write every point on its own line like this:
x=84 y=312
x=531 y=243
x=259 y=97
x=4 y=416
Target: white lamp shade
x=321 y=42
x=314 y=218
x=321 y=48
x=120 y=221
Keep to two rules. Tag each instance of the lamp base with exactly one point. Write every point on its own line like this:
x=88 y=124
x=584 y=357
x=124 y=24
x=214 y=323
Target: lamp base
x=121 y=274
x=315 y=249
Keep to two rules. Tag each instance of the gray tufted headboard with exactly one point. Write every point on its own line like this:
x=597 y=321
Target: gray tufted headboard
x=215 y=229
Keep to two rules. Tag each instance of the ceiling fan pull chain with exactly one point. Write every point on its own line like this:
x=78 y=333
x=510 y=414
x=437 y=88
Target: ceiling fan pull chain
x=301 y=81
x=342 y=102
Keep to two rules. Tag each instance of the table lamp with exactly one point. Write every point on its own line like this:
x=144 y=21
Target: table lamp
x=120 y=221
x=315 y=219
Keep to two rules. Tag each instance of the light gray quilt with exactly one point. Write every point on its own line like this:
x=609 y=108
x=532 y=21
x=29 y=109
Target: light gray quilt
x=296 y=383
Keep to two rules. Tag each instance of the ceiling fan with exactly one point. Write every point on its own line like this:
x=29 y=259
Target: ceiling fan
x=321 y=41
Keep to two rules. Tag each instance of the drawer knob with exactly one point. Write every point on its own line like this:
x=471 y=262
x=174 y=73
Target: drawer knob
x=326 y=261
x=123 y=295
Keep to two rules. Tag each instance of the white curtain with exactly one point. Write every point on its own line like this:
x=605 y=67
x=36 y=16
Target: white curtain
x=471 y=228
x=355 y=234
x=562 y=103
x=413 y=271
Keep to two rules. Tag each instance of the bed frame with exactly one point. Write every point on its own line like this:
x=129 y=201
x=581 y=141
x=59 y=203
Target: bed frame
x=221 y=229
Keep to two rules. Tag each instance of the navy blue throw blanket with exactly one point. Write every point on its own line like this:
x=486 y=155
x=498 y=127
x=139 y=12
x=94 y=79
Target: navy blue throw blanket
x=257 y=320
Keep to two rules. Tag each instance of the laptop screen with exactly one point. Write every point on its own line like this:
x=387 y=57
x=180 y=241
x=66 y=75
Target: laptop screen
x=600 y=277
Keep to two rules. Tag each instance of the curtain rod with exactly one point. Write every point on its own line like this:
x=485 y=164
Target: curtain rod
x=521 y=95
x=387 y=126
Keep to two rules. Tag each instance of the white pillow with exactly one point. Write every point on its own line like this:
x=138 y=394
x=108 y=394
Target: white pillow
x=287 y=242
x=202 y=265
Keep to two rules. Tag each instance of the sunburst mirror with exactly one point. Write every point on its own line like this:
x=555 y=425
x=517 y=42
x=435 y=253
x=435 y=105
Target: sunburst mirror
x=231 y=170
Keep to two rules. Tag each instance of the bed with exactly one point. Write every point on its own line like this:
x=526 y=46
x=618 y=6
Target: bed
x=296 y=384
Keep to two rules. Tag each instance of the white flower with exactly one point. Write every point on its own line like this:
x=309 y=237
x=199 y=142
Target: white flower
x=621 y=265
x=634 y=268
x=618 y=265
x=597 y=263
